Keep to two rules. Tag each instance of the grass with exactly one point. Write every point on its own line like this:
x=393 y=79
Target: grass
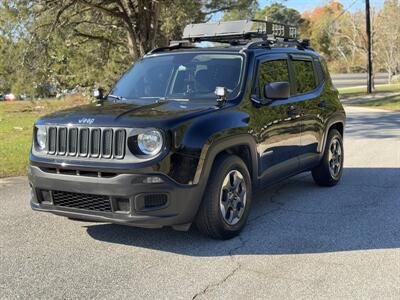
x=16 y=123
x=390 y=103
x=360 y=91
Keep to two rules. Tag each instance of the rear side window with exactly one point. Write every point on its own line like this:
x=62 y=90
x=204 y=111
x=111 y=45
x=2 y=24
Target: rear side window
x=305 y=77
x=272 y=71
x=318 y=69
x=327 y=77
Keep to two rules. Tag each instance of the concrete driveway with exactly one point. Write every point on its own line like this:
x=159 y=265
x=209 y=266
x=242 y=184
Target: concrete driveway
x=302 y=241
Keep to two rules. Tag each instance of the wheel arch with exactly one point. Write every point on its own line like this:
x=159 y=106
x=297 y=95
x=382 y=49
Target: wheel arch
x=337 y=124
x=242 y=145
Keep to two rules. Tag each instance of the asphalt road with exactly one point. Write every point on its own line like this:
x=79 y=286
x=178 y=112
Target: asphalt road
x=357 y=79
x=302 y=241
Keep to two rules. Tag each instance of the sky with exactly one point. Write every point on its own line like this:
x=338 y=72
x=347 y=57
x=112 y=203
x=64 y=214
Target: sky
x=302 y=5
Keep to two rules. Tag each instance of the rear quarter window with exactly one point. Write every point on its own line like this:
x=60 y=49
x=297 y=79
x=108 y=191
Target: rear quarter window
x=319 y=71
x=305 y=76
x=325 y=70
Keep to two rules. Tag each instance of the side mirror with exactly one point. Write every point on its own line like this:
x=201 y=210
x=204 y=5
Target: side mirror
x=98 y=93
x=277 y=90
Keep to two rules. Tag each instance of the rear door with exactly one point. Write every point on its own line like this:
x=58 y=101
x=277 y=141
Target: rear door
x=308 y=96
x=276 y=125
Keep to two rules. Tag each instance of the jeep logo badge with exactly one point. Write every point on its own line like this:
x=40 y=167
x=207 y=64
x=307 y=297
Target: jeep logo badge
x=86 y=121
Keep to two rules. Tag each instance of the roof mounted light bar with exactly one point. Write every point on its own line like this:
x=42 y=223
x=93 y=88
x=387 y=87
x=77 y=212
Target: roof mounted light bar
x=238 y=30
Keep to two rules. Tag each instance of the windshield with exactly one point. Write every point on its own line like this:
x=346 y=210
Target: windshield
x=181 y=77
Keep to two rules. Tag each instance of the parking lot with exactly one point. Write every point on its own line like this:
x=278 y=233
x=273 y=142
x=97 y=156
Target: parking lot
x=301 y=241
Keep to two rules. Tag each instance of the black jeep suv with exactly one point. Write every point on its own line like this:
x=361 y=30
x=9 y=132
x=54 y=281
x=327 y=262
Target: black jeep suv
x=191 y=130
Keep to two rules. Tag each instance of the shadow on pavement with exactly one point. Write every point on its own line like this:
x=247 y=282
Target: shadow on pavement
x=375 y=125
x=294 y=217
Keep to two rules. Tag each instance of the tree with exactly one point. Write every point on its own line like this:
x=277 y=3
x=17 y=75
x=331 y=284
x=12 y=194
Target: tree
x=245 y=13
x=387 y=42
x=11 y=46
x=138 y=20
x=71 y=43
x=278 y=12
x=324 y=26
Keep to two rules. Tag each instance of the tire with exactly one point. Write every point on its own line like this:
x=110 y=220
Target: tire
x=226 y=200
x=329 y=171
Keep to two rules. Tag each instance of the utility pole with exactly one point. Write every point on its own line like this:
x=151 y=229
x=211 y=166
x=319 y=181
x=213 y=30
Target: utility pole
x=369 y=40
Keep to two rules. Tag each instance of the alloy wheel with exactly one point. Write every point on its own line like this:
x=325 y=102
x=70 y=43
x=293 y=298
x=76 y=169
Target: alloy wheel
x=233 y=197
x=335 y=157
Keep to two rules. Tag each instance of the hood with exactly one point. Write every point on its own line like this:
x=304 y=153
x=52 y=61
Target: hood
x=111 y=114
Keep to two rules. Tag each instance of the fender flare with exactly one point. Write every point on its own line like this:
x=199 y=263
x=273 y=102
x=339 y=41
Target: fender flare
x=335 y=120
x=211 y=150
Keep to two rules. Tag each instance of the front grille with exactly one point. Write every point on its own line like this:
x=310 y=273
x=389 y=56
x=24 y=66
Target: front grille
x=62 y=141
x=107 y=143
x=95 y=143
x=87 y=142
x=82 y=201
x=73 y=141
x=52 y=140
x=83 y=142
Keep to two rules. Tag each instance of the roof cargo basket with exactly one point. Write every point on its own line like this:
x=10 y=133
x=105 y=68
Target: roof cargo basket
x=238 y=30
x=245 y=33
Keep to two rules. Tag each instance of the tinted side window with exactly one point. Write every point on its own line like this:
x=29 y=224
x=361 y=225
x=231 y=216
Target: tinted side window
x=326 y=71
x=272 y=71
x=318 y=69
x=305 y=77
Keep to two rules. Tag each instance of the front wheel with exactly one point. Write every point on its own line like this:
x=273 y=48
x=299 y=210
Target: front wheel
x=227 y=199
x=329 y=171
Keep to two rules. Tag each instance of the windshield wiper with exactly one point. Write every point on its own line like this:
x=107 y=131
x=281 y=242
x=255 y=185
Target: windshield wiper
x=120 y=98
x=165 y=99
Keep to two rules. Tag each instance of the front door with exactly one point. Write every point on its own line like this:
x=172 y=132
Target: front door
x=277 y=125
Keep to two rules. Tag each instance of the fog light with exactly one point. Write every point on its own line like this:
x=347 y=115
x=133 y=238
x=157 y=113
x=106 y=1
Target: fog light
x=122 y=205
x=153 y=179
x=46 y=197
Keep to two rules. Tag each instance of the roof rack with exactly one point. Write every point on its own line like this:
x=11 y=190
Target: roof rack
x=172 y=46
x=249 y=33
x=238 y=30
x=301 y=44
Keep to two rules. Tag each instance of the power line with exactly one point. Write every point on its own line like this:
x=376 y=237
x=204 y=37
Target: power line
x=344 y=11
x=340 y=15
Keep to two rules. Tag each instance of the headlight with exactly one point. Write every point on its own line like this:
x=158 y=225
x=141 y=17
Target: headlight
x=150 y=142
x=41 y=137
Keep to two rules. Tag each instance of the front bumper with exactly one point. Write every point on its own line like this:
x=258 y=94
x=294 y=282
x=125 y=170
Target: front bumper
x=125 y=193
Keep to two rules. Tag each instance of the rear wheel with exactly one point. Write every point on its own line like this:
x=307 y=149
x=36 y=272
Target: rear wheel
x=227 y=199
x=329 y=171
